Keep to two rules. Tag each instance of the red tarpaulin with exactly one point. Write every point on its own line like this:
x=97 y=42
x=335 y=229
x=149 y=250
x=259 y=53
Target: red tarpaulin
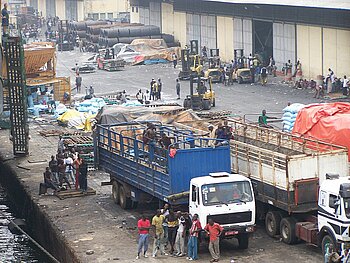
x=329 y=122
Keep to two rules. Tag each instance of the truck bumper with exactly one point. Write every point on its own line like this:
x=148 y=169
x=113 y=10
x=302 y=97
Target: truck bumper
x=234 y=231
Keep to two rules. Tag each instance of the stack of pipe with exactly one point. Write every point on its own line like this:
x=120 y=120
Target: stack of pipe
x=111 y=36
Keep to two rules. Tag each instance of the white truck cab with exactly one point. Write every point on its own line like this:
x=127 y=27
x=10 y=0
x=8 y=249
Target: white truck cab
x=334 y=210
x=229 y=200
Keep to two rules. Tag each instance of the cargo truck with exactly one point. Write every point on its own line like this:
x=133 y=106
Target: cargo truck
x=301 y=185
x=190 y=172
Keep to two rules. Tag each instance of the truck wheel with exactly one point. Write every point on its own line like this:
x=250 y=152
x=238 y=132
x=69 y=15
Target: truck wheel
x=243 y=241
x=326 y=241
x=206 y=104
x=187 y=103
x=240 y=80
x=288 y=230
x=115 y=192
x=125 y=202
x=272 y=223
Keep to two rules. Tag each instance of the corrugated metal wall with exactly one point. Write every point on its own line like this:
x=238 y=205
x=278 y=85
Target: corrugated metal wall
x=225 y=37
x=34 y=4
x=243 y=35
x=50 y=8
x=144 y=15
x=283 y=43
x=201 y=28
x=155 y=14
x=72 y=10
x=193 y=27
x=208 y=31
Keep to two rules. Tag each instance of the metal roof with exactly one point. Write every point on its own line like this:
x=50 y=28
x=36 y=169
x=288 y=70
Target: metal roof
x=334 y=4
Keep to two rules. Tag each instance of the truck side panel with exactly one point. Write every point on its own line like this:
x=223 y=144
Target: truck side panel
x=301 y=168
x=135 y=174
x=195 y=162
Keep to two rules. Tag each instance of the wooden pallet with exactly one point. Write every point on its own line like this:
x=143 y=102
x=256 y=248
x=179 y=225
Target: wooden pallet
x=70 y=193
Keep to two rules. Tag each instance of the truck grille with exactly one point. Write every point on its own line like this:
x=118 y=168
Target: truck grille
x=232 y=218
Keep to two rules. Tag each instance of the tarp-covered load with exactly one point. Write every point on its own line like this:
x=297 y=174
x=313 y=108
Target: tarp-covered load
x=165 y=114
x=329 y=122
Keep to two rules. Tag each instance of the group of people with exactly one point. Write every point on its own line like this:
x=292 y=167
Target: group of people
x=176 y=229
x=67 y=168
x=155 y=89
x=332 y=255
x=223 y=133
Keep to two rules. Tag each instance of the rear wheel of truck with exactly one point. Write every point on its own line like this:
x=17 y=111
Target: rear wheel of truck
x=288 y=230
x=124 y=201
x=115 y=192
x=243 y=241
x=272 y=223
x=326 y=241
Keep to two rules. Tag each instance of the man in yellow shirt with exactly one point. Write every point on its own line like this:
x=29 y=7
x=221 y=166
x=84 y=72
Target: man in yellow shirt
x=157 y=225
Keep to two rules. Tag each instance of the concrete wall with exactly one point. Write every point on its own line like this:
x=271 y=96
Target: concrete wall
x=321 y=48
x=336 y=51
x=225 y=37
x=106 y=6
x=167 y=18
x=42 y=7
x=134 y=14
x=61 y=9
x=180 y=27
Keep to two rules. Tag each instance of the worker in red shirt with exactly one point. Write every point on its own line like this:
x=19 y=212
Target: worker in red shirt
x=214 y=231
x=143 y=226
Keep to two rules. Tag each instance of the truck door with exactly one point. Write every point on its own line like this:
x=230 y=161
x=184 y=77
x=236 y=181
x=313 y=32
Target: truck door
x=194 y=200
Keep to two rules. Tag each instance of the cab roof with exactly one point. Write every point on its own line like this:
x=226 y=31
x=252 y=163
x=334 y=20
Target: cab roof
x=225 y=177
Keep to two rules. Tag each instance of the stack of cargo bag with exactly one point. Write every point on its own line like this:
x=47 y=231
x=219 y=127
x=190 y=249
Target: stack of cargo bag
x=289 y=115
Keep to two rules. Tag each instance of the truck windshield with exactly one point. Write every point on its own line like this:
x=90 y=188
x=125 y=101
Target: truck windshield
x=347 y=207
x=225 y=193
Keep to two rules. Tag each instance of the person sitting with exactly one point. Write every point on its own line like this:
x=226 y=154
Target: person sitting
x=48 y=182
x=263 y=120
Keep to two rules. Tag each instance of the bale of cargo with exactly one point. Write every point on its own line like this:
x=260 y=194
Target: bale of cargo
x=81 y=34
x=110 y=42
x=168 y=38
x=156 y=37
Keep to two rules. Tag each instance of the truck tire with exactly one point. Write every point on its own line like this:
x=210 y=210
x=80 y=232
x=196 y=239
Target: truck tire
x=115 y=192
x=187 y=103
x=287 y=230
x=326 y=241
x=272 y=223
x=124 y=201
x=243 y=241
x=206 y=105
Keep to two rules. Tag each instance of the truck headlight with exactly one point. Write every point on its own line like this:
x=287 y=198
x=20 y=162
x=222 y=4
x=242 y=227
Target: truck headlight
x=249 y=229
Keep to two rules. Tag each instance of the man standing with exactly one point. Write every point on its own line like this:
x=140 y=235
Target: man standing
x=151 y=89
x=158 y=244
x=159 y=89
x=5 y=20
x=214 y=231
x=174 y=57
x=143 y=226
x=53 y=164
x=193 y=239
x=180 y=236
x=78 y=81
x=178 y=88
x=345 y=86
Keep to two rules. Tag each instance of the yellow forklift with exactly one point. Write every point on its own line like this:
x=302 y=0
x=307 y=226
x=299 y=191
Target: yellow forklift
x=191 y=61
x=204 y=98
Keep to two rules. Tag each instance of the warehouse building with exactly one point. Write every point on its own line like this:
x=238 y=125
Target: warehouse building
x=79 y=10
x=315 y=32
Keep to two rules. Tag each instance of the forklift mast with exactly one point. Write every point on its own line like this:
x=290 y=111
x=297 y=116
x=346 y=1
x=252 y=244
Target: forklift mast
x=194 y=49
